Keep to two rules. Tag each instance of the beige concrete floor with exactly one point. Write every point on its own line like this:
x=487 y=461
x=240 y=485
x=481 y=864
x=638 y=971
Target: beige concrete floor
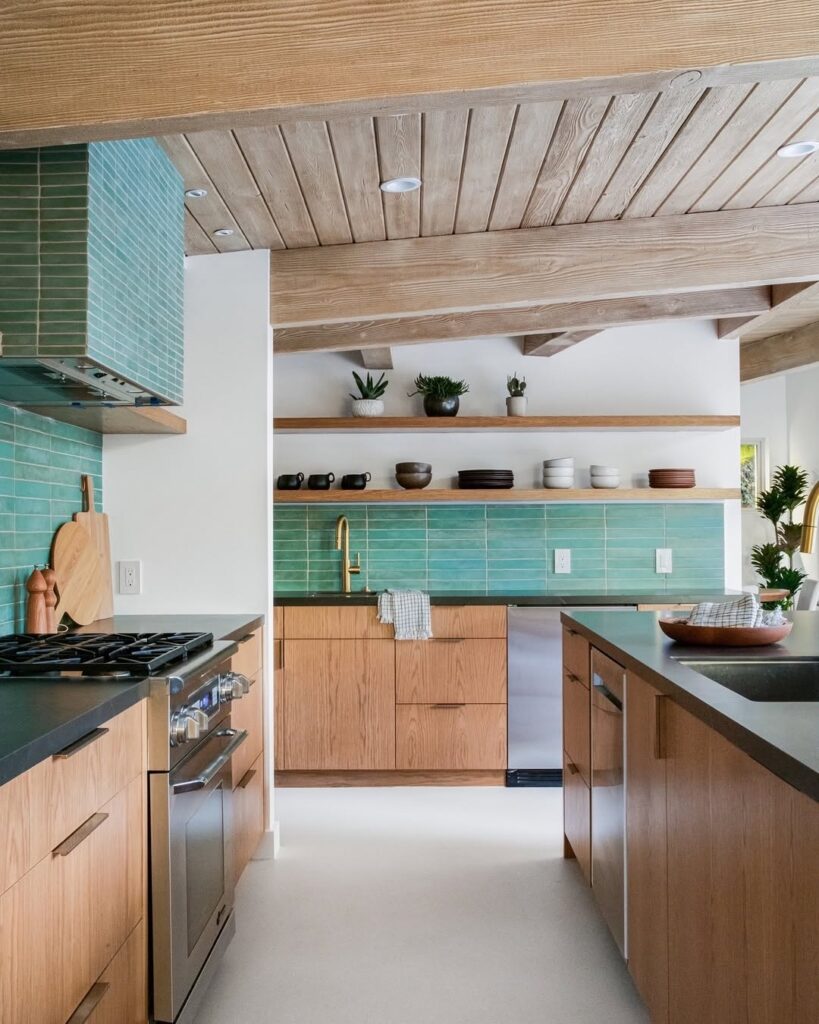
x=419 y=906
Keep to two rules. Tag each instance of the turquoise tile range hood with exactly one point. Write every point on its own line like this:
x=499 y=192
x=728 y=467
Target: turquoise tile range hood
x=91 y=276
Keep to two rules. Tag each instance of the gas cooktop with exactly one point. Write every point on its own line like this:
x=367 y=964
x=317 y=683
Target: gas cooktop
x=137 y=654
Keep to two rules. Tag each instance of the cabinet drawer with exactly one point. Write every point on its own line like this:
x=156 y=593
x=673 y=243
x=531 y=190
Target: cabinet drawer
x=461 y=736
x=248 y=659
x=124 y=997
x=455 y=671
x=248 y=714
x=248 y=815
x=477 y=622
x=577 y=815
x=331 y=623
x=576 y=654
x=576 y=724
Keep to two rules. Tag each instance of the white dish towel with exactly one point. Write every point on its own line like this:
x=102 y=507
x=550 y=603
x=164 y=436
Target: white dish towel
x=408 y=612
x=744 y=612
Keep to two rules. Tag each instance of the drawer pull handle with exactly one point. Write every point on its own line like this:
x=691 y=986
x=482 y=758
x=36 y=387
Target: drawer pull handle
x=246 y=638
x=573 y=677
x=244 y=782
x=79 y=835
x=90 y=1002
x=78 y=745
x=573 y=769
x=439 y=706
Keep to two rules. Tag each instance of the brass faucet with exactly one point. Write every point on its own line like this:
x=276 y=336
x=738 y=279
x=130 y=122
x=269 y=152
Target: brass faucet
x=343 y=545
x=810 y=521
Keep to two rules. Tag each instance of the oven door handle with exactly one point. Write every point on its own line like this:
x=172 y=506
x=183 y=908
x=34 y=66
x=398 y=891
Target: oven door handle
x=216 y=765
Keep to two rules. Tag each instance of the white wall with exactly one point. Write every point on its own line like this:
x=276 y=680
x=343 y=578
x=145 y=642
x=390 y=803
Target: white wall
x=668 y=368
x=196 y=509
x=784 y=411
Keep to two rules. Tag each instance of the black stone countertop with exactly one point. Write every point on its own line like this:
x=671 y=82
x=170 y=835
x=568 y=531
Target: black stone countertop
x=530 y=600
x=40 y=716
x=784 y=737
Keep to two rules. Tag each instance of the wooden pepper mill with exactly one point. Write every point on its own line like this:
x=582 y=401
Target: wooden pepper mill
x=36 y=611
x=50 y=577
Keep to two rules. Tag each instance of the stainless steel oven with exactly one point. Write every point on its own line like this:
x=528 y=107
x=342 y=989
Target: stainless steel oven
x=191 y=826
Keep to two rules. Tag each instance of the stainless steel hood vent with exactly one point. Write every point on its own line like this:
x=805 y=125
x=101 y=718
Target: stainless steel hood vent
x=83 y=382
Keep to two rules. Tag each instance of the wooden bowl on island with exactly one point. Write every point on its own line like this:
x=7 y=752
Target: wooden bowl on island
x=723 y=636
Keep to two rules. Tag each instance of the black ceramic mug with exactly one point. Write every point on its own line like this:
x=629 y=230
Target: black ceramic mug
x=320 y=481
x=355 y=481
x=289 y=481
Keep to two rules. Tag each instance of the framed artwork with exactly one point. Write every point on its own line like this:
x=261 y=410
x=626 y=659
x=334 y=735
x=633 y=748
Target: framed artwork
x=753 y=470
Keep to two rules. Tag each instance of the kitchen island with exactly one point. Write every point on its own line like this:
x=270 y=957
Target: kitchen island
x=692 y=813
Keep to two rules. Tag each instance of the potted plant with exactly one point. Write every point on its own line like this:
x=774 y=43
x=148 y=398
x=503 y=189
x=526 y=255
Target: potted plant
x=441 y=394
x=787 y=492
x=368 y=401
x=516 y=402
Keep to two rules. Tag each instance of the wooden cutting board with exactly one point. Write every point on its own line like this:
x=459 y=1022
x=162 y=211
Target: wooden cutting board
x=96 y=524
x=76 y=562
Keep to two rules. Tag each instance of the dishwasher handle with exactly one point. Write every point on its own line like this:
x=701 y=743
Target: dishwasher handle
x=604 y=691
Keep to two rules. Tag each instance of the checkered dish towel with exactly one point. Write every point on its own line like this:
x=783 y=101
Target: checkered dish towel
x=408 y=611
x=744 y=612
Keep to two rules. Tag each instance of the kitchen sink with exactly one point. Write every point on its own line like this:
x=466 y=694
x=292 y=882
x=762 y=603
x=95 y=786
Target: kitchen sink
x=776 y=680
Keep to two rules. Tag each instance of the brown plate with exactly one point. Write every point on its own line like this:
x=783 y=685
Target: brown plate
x=489 y=485
x=724 y=636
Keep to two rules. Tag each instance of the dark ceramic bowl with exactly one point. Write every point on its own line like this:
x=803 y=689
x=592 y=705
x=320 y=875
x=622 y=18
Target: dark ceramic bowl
x=413 y=467
x=413 y=481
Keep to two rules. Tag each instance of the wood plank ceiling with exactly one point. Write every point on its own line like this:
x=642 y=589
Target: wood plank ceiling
x=485 y=168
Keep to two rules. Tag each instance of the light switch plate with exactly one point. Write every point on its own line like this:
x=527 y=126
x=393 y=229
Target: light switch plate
x=130 y=577
x=664 y=560
x=563 y=560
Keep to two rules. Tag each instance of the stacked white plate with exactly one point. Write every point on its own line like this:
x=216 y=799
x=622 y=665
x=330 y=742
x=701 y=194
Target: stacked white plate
x=558 y=473
x=604 y=476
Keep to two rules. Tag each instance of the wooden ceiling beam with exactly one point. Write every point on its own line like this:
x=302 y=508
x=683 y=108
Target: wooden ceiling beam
x=793 y=305
x=570 y=316
x=551 y=344
x=377 y=358
x=568 y=263
x=74 y=72
x=790 y=350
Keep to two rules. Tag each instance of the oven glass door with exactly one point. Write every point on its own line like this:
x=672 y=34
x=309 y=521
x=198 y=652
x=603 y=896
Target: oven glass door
x=192 y=872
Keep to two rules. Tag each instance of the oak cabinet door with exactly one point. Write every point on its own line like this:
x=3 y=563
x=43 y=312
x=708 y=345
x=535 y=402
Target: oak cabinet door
x=577 y=815
x=576 y=653
x=455 y=671
x=576 y=724
x=450 y=736
x=469 y=621
x=339 y=705
x=248 y=714
x=124 y=999
x=647 y=877
x=334 y=622
x=248 y=815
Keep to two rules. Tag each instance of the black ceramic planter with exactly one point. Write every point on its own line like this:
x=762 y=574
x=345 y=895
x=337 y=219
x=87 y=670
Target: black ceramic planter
x=441 y=406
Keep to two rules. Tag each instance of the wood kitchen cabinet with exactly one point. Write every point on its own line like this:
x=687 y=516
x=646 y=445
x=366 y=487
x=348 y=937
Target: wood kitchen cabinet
x=576 y=750
x=247 y=764
x=450 y=671
x=76 y=893
x=450 y=737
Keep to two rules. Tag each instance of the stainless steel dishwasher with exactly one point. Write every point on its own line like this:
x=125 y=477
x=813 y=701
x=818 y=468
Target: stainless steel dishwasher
x=535 y=690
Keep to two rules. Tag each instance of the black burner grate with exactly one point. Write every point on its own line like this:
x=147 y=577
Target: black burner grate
x=139 y=654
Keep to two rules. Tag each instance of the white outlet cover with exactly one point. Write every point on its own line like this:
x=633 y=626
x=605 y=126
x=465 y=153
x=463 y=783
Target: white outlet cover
x=563 y=560
x=665 y=562
x=130 y=577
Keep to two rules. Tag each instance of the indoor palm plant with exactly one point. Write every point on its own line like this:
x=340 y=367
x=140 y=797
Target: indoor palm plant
x=774 y=561
x=441 y=394
x=516 y=402
x=368 y=401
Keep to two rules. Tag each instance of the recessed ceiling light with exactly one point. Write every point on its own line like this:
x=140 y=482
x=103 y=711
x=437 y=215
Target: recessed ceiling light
x=400 y=185
x=223 y=232
x=196 y=193
x=798 y=148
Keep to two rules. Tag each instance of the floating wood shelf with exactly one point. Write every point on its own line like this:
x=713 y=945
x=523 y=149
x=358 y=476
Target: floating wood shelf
x=387 y=424
x=540 y=494
x=122 y=419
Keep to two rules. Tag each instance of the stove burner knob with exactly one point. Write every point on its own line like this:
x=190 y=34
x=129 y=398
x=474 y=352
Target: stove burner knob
x=232 y=686
x=184 y=728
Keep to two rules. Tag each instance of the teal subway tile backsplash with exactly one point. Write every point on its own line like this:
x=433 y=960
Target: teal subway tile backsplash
x=41 y=462
x=503 y=549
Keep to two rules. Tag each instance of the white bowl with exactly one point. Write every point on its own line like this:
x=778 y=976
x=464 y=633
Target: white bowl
x=558 y=484
x=558 y=478
x=559 y=470
x=605 y=481
x=604 y=470
x=558 y=463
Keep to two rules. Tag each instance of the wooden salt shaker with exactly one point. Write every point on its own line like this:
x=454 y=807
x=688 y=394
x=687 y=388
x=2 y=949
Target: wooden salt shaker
x=50 y=577
x=36 y=611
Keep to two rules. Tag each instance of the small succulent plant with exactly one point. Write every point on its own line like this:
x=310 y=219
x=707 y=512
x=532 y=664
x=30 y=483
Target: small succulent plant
x=369 y=388
x=516 y=386
x=439 y=387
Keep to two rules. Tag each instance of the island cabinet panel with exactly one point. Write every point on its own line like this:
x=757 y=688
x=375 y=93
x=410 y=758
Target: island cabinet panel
x=339 y=704
x=476 y=622
x=576 y=725
x=576 y=655
x=647 y=855
x=577 y=816
x=742 y=896
x=450 y=736
x=321 y=622
x=455 y=671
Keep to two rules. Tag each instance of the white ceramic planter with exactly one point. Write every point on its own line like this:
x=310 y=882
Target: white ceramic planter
x=516 y=406
x=368 y=407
